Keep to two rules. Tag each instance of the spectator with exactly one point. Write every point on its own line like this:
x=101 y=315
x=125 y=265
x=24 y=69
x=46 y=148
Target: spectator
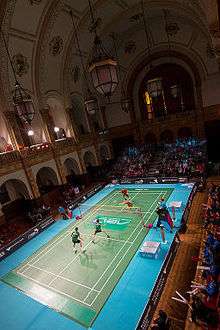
x=162 y=322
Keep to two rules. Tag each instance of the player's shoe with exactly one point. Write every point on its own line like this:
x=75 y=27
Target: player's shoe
x=75 y=251
x=108 y=236
x=93 y=241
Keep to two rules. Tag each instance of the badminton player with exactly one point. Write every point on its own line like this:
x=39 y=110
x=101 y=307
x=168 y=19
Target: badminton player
x=77 y=239
x=125 y=193
x=98 y=229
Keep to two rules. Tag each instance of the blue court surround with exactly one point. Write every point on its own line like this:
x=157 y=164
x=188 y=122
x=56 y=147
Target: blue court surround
x=125 y=305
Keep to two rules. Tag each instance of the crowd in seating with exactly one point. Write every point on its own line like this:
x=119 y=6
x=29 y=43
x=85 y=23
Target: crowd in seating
x=38 y=214
x=184 y=157
x=132 y=163
x=205 y=297
x=205 y=300
x=11 y=231
x=204 y=292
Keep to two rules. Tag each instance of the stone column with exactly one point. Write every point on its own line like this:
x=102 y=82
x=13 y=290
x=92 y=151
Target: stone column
x=2 y=217
x=97 y=154
x=200 y=117
x=81 y=161
x=32 y=182
x=111 y=150
x=48 y=124
x=60 y=169
x=13 y=129
x=72 y=125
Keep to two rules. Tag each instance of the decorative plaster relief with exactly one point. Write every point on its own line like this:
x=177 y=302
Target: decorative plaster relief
x=35 y=2
x=130 y=47
x=75 y=73
x=56 y=46
x=20 y=63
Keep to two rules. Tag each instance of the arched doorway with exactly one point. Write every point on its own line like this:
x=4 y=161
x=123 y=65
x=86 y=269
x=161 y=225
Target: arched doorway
x=46 y=180
x=166 y=136
x=72 y=170
x=12 y=190
x=15 y=200
x=184 y=132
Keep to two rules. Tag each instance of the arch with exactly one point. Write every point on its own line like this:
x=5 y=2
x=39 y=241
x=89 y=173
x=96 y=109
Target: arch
x=57 y=112
x=184 y=132
x=46 y=179
x=78 y=114
x=169 y=89
x=89 y=159
x=5 y=141
x=12 y=190
x=166 y=136
x=71 y=166
x=104 y=152
x=150 y=138
x=143 y=64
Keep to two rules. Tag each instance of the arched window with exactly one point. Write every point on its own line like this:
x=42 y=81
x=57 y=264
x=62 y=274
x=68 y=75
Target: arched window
x=166 y=89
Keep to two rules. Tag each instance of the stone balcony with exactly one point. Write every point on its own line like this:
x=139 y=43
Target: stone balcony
x=64 y=146
x=36 y=154
x=10 y=161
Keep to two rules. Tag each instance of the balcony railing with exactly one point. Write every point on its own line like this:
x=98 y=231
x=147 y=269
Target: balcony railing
x=9 y=157
x=175 y=116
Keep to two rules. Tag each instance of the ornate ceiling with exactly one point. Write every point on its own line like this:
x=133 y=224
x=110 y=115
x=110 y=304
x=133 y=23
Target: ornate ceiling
x=42 y=45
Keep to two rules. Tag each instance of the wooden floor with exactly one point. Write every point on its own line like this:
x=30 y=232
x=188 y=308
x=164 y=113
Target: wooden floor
x=183 y=269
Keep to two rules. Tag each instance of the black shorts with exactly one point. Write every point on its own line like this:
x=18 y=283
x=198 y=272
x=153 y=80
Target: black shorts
x=97 y=231
x=74 y=242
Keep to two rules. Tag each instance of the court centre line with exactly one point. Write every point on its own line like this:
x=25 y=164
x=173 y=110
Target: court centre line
x=121 y=249
x=53 y=280
x=62 y=293
x=119 y=261
x=64 y=278
x=110 y=239
x=55 y=289
x=60 y=272
x=58 y=240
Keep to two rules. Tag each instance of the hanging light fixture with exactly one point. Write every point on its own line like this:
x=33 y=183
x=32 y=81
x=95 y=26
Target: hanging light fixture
x=22 y=100
x=90 y=102
x=102 y=67
x=154 y=87
x=23 y=104
x=175 y=90
x=125 y=102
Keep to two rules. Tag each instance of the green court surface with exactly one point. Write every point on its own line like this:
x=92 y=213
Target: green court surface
x=78 y=285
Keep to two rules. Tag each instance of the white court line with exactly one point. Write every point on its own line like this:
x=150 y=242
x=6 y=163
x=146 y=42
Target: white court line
x=55 y=289
x=58 y=240
x=92 y=289
x=120 y=250
x=110 y=239
x=64 y=278
x=62 y=270
x=70 y=263
x=119 y=260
